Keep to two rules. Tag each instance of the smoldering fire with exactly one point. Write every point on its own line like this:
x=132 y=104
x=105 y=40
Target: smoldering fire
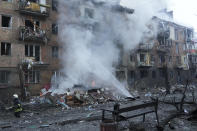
x=94 y=34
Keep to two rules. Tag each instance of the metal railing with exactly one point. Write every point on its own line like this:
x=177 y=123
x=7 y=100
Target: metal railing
x=145 y=46
x=28 y=34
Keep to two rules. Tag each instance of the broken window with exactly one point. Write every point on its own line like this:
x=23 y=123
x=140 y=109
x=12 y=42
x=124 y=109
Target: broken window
x=161 y=58
x=4 y=77
x=152 y=58
x=54 y=5
x=161 y=73
x=55 y=51
x=176 y=34
x=5 y=48
x=177 y=48
x=32 y=76
x=143 y=73
x=120 y=75
x=170 y=59
x=169 y=43
x=178 y=59
x=5 y=21
x=89 y=13
x=32 y=51
x=55 y=29
x=131 y=58
x=153 y=74
x=171 y=74
x=33 y=25
x=35 y=1
x=131 y=77
x=142 y=57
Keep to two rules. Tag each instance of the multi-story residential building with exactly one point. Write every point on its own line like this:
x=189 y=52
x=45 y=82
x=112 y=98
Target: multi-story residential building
x=168 y=56
x=28 y=44
x=29 y=51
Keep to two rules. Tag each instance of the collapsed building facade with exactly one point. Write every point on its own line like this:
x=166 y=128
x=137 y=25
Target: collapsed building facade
x=168 y=58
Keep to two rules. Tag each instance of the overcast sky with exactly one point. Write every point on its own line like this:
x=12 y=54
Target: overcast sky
x=185 y=11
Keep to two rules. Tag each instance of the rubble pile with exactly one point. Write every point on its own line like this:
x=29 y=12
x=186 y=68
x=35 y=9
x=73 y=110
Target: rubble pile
x=75 y=98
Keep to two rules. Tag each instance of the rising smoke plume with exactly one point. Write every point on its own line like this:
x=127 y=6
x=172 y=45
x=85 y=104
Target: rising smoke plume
x=92 y=43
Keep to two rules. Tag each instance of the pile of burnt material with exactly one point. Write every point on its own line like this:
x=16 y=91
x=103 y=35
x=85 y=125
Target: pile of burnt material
x=76 y=97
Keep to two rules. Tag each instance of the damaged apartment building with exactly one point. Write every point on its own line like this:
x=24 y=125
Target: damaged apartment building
x=28 y=45
x=168 y=57
x=30 y=50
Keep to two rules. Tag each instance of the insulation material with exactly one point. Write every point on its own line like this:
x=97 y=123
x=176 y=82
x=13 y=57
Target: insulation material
x=43 y=9
x=33 y=6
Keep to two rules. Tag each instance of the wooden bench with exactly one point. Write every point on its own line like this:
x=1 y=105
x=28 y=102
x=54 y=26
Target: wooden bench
x=116 y=113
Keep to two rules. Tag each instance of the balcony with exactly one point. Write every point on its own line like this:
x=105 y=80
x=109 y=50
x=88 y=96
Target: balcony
x=145 y=64
x=32 y=62
x=34 y=9
x=163 y=48
x=145 y=47
x=28 y=34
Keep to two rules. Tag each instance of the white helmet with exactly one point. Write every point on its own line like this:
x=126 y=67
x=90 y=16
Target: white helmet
x=15 y=96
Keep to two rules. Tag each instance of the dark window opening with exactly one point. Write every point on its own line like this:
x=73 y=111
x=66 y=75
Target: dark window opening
x=5 y=49
x=178 y=59
x=177 y=48
x=162 y=59
x=143 y=73
x=33 y=25
x=176 y=34
x=171 y=74
x=161 y=73
x=4 y=77
x=54 y=28
x=32 y=51
x=170 y=59
x=6 y=21
x=120 y=75
x=55 y=51
x=152 y=58
x=142 y=57
x=153 y=74
x=32 y=76
x=89 y=13
x=131 y=58
x=54 y=5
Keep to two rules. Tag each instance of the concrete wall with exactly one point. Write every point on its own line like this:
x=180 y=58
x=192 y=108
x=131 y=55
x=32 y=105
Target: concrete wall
x=11 y=35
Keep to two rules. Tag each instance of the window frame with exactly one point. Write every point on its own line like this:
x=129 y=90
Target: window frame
x=34 y=78
x=55 y=52
x=6 y=52
x=10 y=22
x=6 y=77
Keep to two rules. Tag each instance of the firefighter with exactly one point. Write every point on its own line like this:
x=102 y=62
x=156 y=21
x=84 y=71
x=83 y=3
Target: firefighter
x=17 y=106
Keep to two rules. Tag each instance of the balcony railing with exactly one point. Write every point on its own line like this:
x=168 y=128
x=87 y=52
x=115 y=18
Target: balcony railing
x=163 y=34
x=145 y=47
x=32 y=61
x=145 y=63
x=28 y=34
x=32 y=8
x=163 y=48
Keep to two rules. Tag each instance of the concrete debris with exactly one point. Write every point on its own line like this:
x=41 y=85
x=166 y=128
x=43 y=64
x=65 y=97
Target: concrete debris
x=148 y=94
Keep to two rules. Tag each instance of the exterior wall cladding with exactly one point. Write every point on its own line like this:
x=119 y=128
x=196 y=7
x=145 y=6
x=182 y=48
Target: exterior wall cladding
x=29 y=35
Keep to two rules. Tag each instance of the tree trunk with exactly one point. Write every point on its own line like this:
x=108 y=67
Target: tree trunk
x=21 y=78
x=167 y=84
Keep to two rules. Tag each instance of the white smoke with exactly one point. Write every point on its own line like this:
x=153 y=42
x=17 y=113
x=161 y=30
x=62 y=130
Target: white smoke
x=92 y=46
